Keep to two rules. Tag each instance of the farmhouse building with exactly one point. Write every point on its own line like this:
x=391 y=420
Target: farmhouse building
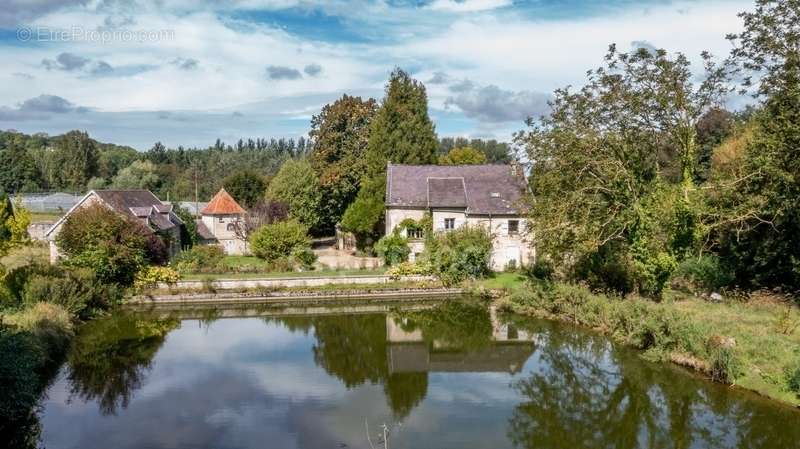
x=458 y=195
x=140 y=205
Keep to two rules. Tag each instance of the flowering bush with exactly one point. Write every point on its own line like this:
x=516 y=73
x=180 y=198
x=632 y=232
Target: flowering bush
x=151 y=276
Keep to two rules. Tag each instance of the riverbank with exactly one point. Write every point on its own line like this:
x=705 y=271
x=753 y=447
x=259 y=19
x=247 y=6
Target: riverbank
x=753 y=345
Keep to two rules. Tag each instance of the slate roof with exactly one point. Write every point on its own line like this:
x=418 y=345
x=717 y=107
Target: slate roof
x=143 y=205
x=203 y=231
x=480 y=189
x=140 y=205
x=447 y=192
x=222 y=204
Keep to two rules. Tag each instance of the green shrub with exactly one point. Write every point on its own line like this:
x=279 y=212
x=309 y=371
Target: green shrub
x=361 y=217
x=153 y=275
x=608 y=270
x=281 y=239
x=463 y=253
x=542 y=270
x=705 y=273
x=112 y=245
x=393 y=248
x=793 y=377
x=723 y=364
x=653 y=272
x=198 y=258
x=78 y=291
x=420 y=268
x=16 y=280
x=304 y=257
x=643 y=324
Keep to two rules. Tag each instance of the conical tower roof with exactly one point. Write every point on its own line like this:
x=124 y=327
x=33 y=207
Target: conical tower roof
x=222 y=204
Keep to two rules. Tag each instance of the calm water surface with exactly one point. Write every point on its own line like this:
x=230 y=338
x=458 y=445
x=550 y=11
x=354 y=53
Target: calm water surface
x=451 y=375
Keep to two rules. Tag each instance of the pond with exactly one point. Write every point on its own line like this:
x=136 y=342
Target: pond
x=451 y=374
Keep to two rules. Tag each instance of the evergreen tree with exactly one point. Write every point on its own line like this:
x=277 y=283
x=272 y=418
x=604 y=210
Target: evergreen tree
x=401 y=133
x=762 y=240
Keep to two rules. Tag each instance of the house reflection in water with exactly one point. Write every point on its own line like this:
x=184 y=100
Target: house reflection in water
x=409 y=352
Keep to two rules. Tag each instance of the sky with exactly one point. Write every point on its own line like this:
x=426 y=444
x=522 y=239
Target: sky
x=186 y=72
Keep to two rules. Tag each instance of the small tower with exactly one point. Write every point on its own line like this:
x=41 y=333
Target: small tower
x=222 y=217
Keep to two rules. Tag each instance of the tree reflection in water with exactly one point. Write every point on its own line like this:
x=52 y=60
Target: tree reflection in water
x=354 y=348
x=584 y=392
x=110 y=357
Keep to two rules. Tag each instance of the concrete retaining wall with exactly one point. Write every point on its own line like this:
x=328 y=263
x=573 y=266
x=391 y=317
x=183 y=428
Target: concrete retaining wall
x=296 y=298
x=233 y=284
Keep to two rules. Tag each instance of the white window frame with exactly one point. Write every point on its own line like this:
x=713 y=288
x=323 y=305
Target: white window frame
x=451 y=222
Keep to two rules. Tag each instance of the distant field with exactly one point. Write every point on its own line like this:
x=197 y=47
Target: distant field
x=45 y=216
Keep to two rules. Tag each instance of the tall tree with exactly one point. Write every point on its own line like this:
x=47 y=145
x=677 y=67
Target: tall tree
x=247 y=187
x=138 y=175
x=297 y=186
x=596 y=175
x=19 y=172
x=762 y=239
x=463 y=156
x=76 y=158
x=402 y=133
x=340 y=134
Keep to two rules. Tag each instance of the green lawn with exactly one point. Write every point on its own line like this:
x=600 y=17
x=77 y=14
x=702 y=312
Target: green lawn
x=26 y=255
x=767 y=335
x=45 y=216
x=503 y=281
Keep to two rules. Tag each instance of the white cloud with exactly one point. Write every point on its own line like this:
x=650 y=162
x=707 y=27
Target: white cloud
x=468 y=5
x=492 y=46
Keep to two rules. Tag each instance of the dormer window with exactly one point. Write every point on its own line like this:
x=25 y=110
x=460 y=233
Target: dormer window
x=495 y=194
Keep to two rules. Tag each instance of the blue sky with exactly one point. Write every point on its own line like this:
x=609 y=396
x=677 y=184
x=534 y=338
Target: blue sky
x=187 y=72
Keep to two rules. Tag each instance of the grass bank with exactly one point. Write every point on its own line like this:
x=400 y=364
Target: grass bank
x=33 y=343
x=754 y=344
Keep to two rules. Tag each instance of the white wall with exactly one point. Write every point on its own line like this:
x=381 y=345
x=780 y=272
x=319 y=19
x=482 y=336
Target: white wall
x=439 y=216
x=228 y=240
x=505 y=247
x=395 y=216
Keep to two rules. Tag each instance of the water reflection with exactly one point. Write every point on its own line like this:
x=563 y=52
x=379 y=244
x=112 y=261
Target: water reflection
x=454 y=374
x=585 y=393
x=110 y=357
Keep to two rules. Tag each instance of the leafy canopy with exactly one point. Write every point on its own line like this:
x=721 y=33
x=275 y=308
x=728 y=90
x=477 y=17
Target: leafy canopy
x=247 y=187
x=340 y=133
x=297 y=186
x=279 y=240
x=463 y=156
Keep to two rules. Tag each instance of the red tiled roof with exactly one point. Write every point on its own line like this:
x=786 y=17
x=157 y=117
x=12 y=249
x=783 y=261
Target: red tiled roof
x=222 y=204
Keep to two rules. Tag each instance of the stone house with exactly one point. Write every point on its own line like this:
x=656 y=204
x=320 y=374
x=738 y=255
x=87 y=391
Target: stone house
x=141 y=205
x=455 y=195
x=221 y=222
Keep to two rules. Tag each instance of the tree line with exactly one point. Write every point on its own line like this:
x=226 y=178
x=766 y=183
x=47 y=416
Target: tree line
x=640 y=177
